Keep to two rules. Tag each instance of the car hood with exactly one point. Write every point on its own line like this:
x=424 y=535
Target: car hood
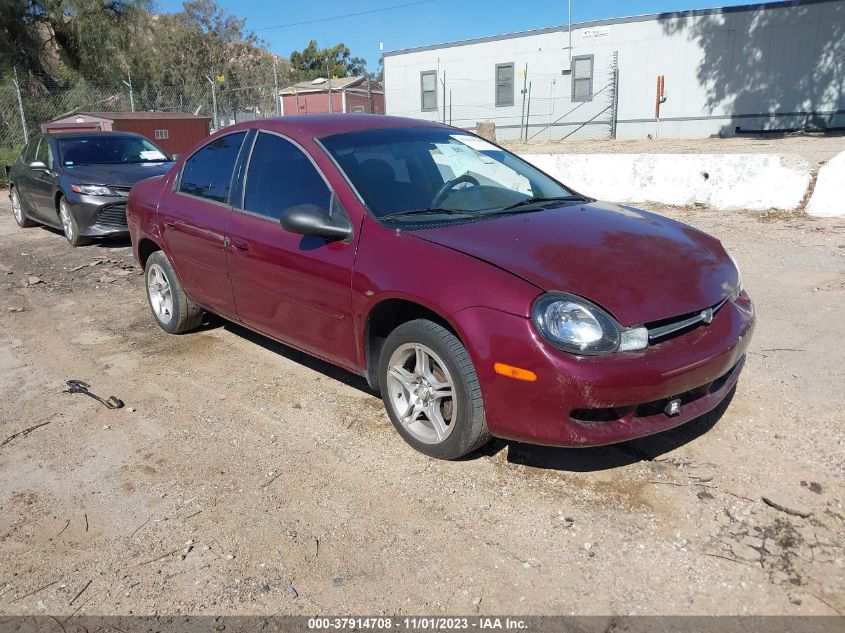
x=124 y=175
x=639 y=266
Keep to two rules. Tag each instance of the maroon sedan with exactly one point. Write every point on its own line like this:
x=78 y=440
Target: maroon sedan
x=477 y=294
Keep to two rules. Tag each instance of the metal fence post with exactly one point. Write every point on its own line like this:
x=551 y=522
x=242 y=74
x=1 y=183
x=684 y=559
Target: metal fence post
x=213 y=98
x=524 y=92
x=276 y=97
x=20 y=106
x=128 y=84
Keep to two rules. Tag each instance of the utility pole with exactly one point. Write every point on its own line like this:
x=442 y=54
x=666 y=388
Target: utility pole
x=20 y=106
x=128 y=84
x=276 y=97
x=329 y=79
x=528 y=112
x=444 y=96
x=213 y=98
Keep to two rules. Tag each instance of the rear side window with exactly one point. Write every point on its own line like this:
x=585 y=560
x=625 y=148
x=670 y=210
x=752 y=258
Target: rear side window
x=208 y=173
x=280 y=176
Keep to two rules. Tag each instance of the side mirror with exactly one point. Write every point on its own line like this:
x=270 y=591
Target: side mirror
x=311 y=219
x=38 y=165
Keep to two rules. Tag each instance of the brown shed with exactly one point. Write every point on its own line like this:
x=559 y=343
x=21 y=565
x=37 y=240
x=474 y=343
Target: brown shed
x=175 y=132
x=348 y=94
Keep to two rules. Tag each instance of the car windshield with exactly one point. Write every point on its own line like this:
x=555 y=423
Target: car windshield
x=109 y=150
x=428 y=174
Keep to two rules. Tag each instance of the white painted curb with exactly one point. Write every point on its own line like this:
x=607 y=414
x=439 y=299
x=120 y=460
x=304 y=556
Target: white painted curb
x=828 y=197
x=730 y=182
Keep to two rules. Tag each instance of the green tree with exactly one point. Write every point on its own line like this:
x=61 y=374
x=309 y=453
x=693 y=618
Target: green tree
x=337 y=61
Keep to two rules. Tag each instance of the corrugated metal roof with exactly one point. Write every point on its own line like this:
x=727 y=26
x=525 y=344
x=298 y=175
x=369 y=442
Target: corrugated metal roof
x=341 y=83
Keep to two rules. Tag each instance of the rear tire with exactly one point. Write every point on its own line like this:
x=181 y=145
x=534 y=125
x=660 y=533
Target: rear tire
x=431 y=391
x=174 y=312
x=17 y=210
x=69 y=226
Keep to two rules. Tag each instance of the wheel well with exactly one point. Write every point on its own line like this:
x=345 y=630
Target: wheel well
x=386 y=317
x=56 y=198
x=146 y=248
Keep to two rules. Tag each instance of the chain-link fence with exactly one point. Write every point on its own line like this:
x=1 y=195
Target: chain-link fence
x=27 y=102
x=538 y=107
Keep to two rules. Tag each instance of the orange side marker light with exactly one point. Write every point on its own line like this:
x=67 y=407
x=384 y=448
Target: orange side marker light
x=514 y=372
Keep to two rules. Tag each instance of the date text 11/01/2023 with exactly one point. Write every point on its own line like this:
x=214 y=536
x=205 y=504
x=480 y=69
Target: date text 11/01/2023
x=416 y=623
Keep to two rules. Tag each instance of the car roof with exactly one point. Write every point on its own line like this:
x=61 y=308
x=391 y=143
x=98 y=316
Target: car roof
x=318 y=125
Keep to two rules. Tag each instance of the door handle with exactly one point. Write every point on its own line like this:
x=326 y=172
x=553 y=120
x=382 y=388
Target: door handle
x=240 y=245
x=170 y=224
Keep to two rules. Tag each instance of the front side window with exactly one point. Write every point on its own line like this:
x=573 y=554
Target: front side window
x=281 y=176
x=28 y=152
x=431 y=174
x=45 y=153
x=504 y=85
x=428 y=90
x=582 y=78
x=208 y=172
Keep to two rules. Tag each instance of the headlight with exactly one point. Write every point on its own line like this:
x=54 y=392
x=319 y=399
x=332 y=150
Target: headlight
x=93 y=190
x=578 y=326
x=738 y=289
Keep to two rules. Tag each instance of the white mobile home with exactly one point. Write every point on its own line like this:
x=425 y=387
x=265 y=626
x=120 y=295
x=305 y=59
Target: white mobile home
x=774 y=66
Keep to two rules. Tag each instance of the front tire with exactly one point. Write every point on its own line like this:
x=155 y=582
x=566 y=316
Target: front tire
x=69 y=226
x=174 y=312
x=17 y=210
x=431 y=391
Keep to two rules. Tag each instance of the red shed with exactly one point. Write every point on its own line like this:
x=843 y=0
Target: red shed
x=348 y=94
x=175 y=132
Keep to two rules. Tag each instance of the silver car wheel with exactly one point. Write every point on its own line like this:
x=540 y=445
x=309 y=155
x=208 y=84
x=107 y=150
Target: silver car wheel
x=422 y=393
x=160 y=294
x=16 y=207
x=67 y=221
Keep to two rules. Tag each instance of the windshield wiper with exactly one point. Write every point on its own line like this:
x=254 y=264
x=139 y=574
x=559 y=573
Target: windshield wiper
x=430 y=211
x=539 y=200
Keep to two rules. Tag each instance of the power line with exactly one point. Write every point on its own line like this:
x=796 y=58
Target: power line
x=347 y=15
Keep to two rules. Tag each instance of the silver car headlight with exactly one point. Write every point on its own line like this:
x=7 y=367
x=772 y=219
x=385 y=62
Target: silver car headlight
x=578 y=326
x=93 y=190
x=734 y=295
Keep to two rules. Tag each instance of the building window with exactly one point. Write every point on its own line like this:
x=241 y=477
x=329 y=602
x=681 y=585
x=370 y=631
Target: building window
x=582 y=78
x=428 y=90
x=162 y=135
x=504 y=85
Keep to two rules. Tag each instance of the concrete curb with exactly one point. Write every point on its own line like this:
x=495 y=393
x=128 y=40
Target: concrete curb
x=729 y=182
x=828 y=199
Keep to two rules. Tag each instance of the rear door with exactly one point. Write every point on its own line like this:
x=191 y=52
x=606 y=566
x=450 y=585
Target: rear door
x=292 y=287
x=195 y=214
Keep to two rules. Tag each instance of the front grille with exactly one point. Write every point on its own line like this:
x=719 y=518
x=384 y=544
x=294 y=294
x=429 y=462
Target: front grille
x=660 y=330
x=112 y=216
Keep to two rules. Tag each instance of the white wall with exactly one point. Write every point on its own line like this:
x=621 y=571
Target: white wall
x=763 y=69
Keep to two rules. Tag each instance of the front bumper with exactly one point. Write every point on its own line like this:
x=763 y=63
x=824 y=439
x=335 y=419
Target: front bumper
x=595 y=400
x=98 y=216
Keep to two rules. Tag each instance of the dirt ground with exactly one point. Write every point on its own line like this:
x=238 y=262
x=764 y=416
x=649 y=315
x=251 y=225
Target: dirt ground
x=816 y=149
x=243 y=477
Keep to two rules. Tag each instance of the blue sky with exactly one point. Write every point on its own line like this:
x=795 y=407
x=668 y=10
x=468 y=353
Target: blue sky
x=426 y=22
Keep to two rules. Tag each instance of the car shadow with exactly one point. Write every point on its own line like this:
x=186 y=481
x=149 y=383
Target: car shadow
x=213 y=321
x=606 y=457
x=545 y=457
x=110 y=241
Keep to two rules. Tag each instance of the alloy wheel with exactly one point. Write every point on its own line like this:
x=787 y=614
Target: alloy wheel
x=160 y=294
x=67 y=221
x=16 y=207
x=422 y=393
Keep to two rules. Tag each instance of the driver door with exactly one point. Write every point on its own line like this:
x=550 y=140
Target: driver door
x=291 y=287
